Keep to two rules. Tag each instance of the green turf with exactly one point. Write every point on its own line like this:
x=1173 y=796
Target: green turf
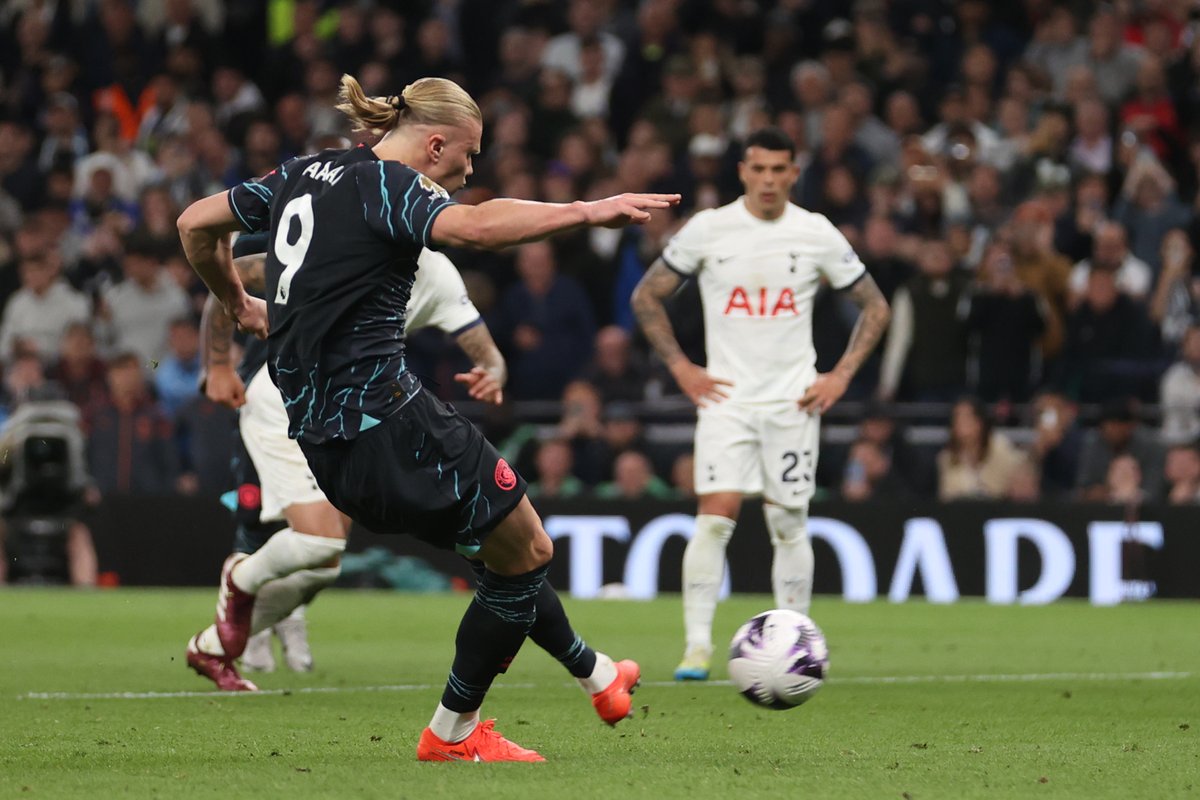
x=1066 y=736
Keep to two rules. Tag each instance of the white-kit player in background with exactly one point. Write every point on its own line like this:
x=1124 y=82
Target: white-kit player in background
x=759 y=262
x=303 y=558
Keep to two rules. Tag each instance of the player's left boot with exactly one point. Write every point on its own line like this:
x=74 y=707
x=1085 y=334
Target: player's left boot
x=293 y=635
x=615 y=703
x=220 y=670
x=234 y=610
x=484 y=744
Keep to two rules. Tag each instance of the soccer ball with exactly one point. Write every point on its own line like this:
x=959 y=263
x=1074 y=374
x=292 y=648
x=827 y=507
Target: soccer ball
x=778 y=659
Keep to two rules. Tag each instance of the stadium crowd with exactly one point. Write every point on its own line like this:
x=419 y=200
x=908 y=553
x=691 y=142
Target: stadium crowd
x=1022 y=180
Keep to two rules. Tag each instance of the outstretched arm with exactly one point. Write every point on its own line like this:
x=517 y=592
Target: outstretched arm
x=204 y=229
x=873 y=319
x=659 y=283
x=486 y=379
x=505 y=222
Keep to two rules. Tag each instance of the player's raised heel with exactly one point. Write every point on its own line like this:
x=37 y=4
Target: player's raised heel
x=234 y=610
x=219 y=670
x=694 y=666
x=484 y=744
x=615 y=703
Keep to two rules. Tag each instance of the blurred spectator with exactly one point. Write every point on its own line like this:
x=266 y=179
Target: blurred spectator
x=204 y=445
x=1113 y=62
x=65 y=140
x=1150 y=113
x=1057 y=443
x=977 y=463
x=131 y=170
x=178 y=375
x=1042 y=269
x=634 y=479
x=544 y=324
x=616 y=370
x=869 y=474
x=130 y=446
x=138 y=311
x=41 y=310
x=20 y=177
x=1180 y=393
x=835 y=148
x=1092 y=147
x=1182 y=473
x=1110 y=251
x=683 y=476
x=1149 y=208
x=1111 y=344
x=80 y=371
x=582 y=427
x=235 y=95
x=1057 y=45
x=925 y=358
x=1176 y=301
x=1074 y=228
x=554 y=462
x=1008 y=320
x=565 y=52
x=1118 y=433
x=1123 y=482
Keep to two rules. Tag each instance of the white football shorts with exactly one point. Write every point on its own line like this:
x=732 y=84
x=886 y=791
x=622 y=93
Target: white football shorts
x=282 y=468
x=767 y=449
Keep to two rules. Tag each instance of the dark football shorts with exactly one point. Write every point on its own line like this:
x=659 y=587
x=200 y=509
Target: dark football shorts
x=245 y=501
x=425 y=471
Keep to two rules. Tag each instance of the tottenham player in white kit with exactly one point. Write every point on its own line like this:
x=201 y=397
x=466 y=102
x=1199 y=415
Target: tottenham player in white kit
x=292 y=566
x=759 y=262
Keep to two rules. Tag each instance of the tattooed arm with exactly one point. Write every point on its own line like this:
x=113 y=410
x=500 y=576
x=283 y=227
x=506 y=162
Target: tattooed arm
x=828 y=388
x=221 y=383
x=659 y=283
x=486 y=379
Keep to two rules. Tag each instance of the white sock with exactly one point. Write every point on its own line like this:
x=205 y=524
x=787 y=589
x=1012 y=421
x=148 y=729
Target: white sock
x=602 y=676
x=792 y=567
x=284 y=553
x=209 y=642
x=451 y=726
x=703 y=570
x=280 y=598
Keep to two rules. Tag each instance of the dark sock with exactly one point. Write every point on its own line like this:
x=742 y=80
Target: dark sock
x=491 y=632
x=553 y=633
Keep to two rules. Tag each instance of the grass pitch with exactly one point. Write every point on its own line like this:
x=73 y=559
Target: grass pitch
x=924 y=701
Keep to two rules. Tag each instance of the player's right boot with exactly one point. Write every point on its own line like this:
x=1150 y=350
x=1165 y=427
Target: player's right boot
x=484 y=744
x=257 y=657
x=615 y=703
x=234 y=610
x=694 y=666
x=220 y=670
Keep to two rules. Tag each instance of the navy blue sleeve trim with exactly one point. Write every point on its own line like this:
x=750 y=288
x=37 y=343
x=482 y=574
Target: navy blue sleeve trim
x=851 y=284
x=425 y=240
x=478 y=321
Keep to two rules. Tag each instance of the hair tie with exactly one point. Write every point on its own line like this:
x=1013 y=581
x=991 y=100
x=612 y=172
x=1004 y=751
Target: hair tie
x=397 y=102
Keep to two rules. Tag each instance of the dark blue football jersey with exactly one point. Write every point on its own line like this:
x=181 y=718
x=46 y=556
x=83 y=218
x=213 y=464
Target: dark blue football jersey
x=346 y=230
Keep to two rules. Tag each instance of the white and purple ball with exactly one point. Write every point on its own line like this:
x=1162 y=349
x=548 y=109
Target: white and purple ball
x=778 y=659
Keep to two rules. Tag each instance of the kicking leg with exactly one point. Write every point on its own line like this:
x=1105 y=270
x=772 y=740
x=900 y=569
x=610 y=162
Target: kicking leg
x=515 y=556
